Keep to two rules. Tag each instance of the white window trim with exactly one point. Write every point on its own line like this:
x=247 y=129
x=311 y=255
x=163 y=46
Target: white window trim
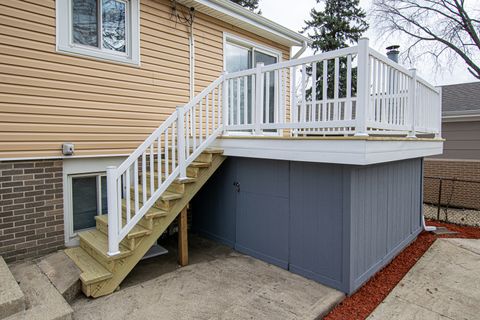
x=76 y=168
x=237 y=40
x=64 y=42
x=242 y=42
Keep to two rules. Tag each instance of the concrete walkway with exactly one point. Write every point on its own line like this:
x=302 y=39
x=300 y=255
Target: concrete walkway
x=219 y=284
x=444 y=284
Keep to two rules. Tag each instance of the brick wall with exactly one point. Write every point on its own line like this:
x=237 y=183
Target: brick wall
x=31 y=208
x=454 y=194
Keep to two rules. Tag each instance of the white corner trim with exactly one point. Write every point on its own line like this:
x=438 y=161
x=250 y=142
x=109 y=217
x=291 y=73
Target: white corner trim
x=65 y=45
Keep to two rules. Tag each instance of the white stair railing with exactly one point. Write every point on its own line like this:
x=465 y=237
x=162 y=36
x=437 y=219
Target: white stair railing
x=351 y=91
x=135 y=186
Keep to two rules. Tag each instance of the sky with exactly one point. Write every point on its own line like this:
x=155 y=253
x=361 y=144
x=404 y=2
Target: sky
x=293 y=13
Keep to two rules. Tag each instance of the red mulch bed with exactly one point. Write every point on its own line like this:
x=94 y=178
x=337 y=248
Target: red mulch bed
x=359 y=305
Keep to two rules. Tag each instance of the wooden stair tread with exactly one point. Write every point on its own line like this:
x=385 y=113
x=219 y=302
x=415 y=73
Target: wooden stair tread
x=168 y=195
x=185 y=180
x=152 y=213
x=137 y=230
x=98 y=241
x=92 y=270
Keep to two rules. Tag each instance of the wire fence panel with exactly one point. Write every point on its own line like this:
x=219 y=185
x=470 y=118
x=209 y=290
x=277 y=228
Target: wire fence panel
x=452 y=200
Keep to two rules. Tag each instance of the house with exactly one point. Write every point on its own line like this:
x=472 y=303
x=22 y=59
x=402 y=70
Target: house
x=461 y=155
x=116 y=114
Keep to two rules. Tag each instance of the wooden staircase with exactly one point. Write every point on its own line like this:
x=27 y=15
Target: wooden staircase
x=103 y=273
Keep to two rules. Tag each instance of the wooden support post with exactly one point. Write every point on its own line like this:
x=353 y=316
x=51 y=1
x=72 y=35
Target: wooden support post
x=182 y=238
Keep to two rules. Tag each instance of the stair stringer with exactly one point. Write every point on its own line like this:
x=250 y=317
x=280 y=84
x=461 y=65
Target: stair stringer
x=122 y=267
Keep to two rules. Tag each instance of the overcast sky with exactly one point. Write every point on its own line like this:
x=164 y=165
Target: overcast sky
x=292 y=13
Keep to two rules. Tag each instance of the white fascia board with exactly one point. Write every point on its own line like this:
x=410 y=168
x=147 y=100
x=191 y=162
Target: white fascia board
x=352 y=152
x=237 y=12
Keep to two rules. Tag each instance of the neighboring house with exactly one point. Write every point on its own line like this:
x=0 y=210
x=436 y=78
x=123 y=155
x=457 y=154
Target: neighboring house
x=461 y=154
x=116 y=114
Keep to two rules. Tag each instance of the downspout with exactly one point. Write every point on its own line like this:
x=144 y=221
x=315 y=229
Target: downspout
x=301 y=51
x=191 y=43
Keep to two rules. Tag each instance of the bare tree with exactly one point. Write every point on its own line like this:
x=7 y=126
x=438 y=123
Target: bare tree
x=434 y=27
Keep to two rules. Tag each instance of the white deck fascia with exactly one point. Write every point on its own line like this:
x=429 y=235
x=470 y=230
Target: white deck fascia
x=339 y=150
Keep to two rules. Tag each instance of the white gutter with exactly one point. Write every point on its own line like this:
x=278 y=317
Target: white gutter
x=301 y=51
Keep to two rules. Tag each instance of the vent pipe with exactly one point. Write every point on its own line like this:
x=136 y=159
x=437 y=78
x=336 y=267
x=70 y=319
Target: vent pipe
x=392 y=53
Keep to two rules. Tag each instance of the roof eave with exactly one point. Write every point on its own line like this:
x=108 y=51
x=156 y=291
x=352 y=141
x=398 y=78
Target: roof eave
x=238 y=12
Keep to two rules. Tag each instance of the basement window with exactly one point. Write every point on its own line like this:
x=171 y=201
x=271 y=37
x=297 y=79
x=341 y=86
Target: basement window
x=89 y=199
x=104 y=29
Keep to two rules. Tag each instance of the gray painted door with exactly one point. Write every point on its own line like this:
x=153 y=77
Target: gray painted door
x=262 y=210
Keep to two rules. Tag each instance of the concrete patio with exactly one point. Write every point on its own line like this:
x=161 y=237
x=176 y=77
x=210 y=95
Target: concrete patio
x=444 y=284
x=218 y=284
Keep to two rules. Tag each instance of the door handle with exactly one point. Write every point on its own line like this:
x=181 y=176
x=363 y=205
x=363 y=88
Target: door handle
x=237 y=186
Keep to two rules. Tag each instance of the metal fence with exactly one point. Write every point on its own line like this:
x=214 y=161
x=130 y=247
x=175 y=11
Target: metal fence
x=452 y=200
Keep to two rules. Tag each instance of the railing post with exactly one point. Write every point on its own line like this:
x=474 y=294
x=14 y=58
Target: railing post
x=225 y=101
x=258 y=98
x=439 y=113
x=113 y=218
x=412 y=99
x=363 y=88
x=181 y=142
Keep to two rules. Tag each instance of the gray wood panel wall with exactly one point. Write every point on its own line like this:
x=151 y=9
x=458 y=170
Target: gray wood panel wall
x=336 y=224
x=385 y=214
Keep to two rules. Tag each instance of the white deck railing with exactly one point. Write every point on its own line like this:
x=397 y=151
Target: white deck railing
x=352 y=91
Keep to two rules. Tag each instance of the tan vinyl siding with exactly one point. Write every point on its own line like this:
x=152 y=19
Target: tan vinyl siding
x=47 y=98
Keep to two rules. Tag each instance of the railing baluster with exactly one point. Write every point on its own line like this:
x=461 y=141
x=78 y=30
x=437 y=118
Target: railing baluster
x=136 y=194
x=325 y=90
x=303 y=111
x=188 y=115
x=275 y=96
x=336 y=104
x=294 y=111
x=348 y=103
x=159 y=161
x=181 y=142
x=165 y=139
x=266 y=113
x=230 y=107
x=119 y=221
x=374 y=108
x=127 y=195
x=245 y=100
x=314 y=89
x=258 y=98
x=225 y=110
x=194 y=127
x=152 y=171
x=200 y=120
x=144 y=177
x=207 y=117
x=238 y=96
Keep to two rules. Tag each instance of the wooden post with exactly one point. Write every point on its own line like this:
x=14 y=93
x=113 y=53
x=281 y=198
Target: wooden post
x=182 y=238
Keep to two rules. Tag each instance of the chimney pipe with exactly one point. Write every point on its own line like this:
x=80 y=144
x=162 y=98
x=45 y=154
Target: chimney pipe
x=392 y=53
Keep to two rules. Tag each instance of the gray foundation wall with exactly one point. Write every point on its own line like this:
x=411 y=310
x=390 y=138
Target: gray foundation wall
x=336 y=224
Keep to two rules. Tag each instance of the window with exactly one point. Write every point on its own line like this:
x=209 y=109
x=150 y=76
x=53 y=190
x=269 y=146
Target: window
x=241 y=54
x=105 y=29
x=89 y=199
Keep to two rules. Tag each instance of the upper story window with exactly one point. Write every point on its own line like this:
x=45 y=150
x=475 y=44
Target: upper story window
x=105 y=29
